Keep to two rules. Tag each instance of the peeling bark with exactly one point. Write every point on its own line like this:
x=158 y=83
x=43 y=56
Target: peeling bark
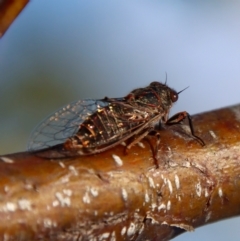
x=117 y=196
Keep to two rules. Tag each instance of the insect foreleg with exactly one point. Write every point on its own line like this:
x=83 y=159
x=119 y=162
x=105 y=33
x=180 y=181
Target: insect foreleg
x=181 y=116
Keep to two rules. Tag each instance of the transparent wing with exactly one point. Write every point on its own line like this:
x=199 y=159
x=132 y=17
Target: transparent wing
x=64 y=123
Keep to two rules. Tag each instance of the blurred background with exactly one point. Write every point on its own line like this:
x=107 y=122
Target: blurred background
x=59 y=51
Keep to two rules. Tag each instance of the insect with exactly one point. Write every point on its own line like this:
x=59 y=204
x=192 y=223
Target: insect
x=89 y=126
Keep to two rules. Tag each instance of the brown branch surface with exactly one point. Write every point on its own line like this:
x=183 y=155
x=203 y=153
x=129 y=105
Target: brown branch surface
x=9 y=10
x=112 y=196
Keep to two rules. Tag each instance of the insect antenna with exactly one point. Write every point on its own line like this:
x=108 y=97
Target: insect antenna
x=166 y=79
x=182 y=90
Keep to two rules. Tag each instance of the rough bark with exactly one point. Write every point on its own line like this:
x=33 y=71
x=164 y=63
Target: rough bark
x=117 y=196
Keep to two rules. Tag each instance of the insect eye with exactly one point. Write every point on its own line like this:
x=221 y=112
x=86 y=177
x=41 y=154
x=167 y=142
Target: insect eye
x=174 y=96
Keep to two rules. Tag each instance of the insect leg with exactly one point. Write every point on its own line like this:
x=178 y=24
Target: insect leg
x=140 y=137
x=181 y=116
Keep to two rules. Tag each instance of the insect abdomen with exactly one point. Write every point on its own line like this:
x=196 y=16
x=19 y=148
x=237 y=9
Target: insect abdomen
x=105 y=126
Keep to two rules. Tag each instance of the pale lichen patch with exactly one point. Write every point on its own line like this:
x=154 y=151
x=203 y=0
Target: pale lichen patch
x=11 y=207
x=86 y=198
x=64 y=179
x=64 y=201
x=124 y=194
x=67 y=192
x=73 y=170
x=55 y=203
x=147 y=198
x=61 y=164
x=170 y=186
x=141 y=144
x=131 y=229
x=162 y=206
x=206 y=192
x=104 y=236
x=47 y=223
x=220 y=192
x=198 y=189
x=94 y=191
x=208 y=216
x=117 y=160
x=6 y=188
x=24 y=204
x=151 y=182
x=7 y=159
x=123 y=231
x=168 y=205
x=177 y=182
x=212 y=133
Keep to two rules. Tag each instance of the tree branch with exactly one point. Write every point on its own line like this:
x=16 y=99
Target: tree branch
x=112 y=196
x=9 y=10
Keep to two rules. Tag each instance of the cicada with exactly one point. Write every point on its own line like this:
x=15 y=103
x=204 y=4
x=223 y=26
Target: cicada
x=87 y=127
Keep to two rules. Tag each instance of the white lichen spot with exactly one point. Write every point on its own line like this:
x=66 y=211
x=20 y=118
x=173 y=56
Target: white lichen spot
x=65 y=179
x=177 y=182
x=67 y=192
x=147 y=198
x=104 y=236
x=11 y=207
x=186 y=164
x=168 y=205
x=123 y=143
x=212 y=133
x=162 y=206
x=208 y=216
x=131 y=230
x=6 y=188
x=73 y=170
x=86 y=198
x=165 y=223
x=94 y=191
x=141 y=144
x=151 y=182
x=113 y=236
x=123 y=231
x=24 y=204
x=7 y=160
x=206 y=192
x=220 y=192
x=198 y=189
x=124 y=194
x=117 y=160
x=64 y=201
x=61 y=164
x=169 y=185
x=55 y=203
x=29 y=186
x=47 y=223
x=153 y=206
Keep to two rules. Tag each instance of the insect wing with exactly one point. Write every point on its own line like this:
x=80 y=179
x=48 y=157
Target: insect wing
x=64 y=123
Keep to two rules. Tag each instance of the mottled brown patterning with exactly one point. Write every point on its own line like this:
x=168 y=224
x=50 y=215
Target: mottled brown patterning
x=91 y=126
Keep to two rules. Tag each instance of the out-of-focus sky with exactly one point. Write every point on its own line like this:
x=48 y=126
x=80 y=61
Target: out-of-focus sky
x=59 y=51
